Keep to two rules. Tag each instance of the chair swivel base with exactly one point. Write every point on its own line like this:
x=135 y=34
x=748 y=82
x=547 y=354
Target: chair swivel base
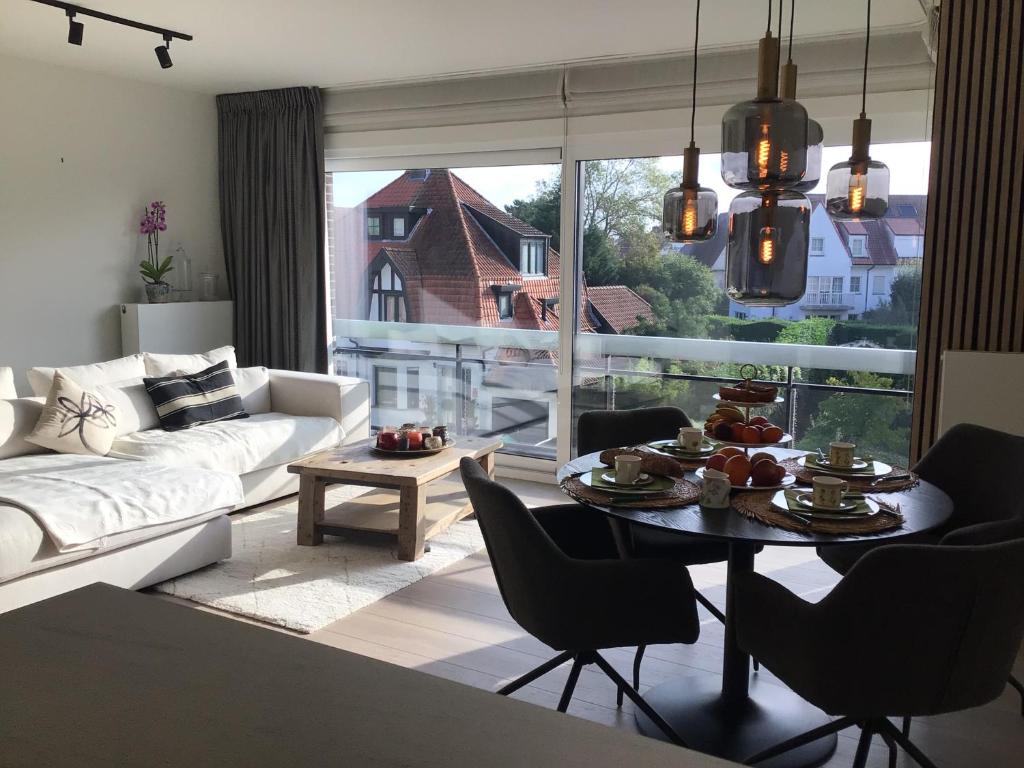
x=696 y=710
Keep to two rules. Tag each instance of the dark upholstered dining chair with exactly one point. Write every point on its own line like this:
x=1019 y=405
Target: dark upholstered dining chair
x=976 y=467
x=578 y=606
x=600 y=430
x=911 y=630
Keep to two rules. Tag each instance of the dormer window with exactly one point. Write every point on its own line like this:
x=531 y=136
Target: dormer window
x=857 y=245
x=398 y=227
x=532 y=257
x=373 y=226
x=387 y=295
x=503 y=296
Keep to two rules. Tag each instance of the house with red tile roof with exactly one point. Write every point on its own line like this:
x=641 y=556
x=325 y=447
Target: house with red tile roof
x=436 y=251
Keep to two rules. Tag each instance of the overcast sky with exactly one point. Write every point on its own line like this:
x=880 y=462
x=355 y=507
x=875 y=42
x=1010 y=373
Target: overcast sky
x=907 y=162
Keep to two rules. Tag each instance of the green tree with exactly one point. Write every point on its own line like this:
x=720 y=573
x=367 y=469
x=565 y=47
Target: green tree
x=622 y=198
x=543 y=210
x=879 y=424
x=904 y=304
x=600 y=258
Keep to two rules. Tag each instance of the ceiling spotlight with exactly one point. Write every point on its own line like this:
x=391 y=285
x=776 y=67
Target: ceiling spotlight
x=75 y=29
x=163 y=53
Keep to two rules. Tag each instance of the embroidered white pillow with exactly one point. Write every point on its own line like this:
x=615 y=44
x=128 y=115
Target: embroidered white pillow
x=75 y=421
x=160 y=365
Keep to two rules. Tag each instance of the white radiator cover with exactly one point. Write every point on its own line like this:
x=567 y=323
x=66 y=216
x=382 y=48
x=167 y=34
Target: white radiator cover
x=185 y=327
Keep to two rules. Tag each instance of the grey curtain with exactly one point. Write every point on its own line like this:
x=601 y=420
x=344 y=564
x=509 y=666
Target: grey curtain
x=272 y=224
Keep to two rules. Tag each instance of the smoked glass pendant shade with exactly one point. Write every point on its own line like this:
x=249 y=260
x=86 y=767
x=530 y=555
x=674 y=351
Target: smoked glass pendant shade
x=766 y=264
x=764 y=144
x=690 y=215
x=858 y=188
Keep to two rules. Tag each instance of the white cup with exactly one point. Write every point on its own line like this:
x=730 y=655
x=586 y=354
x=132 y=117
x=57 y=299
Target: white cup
x=715 y=489
x=828 y=491
x=627 y=469
x=841 y=454
x=690 y=439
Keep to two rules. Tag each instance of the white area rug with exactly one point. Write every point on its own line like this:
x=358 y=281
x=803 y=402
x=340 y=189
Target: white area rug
x=271 y=579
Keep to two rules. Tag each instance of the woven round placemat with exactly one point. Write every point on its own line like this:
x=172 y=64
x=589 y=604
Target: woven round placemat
x=804 y=475
x=682 y=494
x=758 y=506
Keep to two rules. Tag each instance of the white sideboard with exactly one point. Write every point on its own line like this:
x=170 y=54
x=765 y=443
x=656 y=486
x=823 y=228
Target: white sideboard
x=177 y=327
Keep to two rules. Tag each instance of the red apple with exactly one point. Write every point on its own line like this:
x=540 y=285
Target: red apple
x=760 y=421
x=763 y=472
x=771 y=434
x=723 y=431
x=738 y=430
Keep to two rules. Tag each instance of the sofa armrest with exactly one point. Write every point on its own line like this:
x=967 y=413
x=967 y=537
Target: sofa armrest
x=345 y=399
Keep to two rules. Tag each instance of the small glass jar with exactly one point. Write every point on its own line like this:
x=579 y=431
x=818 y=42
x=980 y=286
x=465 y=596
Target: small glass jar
x=208 y=286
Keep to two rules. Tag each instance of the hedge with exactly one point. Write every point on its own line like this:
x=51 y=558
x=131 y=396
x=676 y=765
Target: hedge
x=885 y=336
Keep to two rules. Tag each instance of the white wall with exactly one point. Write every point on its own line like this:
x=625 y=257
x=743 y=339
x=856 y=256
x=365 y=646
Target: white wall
x=80 y=156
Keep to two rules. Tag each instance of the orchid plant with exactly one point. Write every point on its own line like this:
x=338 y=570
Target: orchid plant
x=154 y=221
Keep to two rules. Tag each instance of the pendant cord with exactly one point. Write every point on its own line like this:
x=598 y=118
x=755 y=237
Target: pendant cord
x=769 y=31
x=792 y=14
x=693 y=96
x=867 y=47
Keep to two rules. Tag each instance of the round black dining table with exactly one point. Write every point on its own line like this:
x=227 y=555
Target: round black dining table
x=736 y=715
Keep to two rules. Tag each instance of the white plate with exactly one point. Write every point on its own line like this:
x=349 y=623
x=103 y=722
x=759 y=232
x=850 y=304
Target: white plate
x=740 y=404
x=845 y=505
x=641 y=481
x=880 y=469
x=587 y=480
x=673 y=449
x=779 y=501
x=787 y=481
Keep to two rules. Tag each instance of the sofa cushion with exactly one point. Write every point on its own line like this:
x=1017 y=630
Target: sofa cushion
x=187 y=401
x=7 y=390
x=254 y=388
x=18 y=418
x=130 y=367
x=75 y=420
x=157 y=364
x=240 y=446
x=134 y=406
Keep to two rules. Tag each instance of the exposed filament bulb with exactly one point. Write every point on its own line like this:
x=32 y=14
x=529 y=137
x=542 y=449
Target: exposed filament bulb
x=689 y=221
x=764 y=151
x=766 y=245
x=857 y=192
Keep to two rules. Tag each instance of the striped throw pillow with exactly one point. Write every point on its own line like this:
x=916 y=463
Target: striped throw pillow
x=186 y=401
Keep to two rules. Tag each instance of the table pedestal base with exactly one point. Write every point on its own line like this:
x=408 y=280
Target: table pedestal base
x=772 y=714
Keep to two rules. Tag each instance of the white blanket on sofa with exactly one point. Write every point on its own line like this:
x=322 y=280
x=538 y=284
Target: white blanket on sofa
x=80 y=500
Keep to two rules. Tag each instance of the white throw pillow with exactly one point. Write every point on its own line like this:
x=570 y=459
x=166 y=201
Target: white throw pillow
x=7 y=390
x=18 y=418
x=121 y=369
x=253 y=386
x=134 y=406
x=74 y=420
x=159 y=365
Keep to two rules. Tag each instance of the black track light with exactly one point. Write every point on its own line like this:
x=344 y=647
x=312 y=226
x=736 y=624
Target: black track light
x=163 y=53
x=75 y=29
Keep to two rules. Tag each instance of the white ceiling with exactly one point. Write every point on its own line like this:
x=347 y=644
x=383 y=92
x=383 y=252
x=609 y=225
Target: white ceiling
x=253 y=44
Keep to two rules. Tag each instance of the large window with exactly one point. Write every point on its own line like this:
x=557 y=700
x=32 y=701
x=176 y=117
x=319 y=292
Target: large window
x=677 y=327
x=531 y=257
x=387 y=294
x=385 y=386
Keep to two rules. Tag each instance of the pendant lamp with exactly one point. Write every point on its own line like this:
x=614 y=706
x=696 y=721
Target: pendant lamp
x=764 y=141
x=690 y=211
x=769 y=236
x=815 y=133
x=859 y=188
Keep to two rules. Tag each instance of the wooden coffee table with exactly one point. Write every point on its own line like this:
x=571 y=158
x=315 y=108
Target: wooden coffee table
x=402 y=505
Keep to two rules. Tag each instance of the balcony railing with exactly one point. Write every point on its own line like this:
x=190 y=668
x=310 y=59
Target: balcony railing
x=827 y=299
x=601 y=361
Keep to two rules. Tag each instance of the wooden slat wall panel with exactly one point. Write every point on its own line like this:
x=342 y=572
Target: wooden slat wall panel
x=973 y=276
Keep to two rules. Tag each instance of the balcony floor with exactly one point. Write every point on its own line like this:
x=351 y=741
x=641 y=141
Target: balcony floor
x=453 y=624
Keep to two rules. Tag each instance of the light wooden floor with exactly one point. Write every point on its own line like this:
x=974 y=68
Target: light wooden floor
x=453 y=624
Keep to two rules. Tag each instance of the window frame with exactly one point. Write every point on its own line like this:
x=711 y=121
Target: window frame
x=379 y=386
x=819 y=251
x=856 y=278
x=370 y=220
x=395 y=220
x=861 y=242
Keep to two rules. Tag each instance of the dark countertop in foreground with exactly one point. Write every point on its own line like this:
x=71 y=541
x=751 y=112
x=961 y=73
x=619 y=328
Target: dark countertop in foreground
x=107 y=677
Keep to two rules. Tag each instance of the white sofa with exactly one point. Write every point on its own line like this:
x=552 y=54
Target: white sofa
x=292 y=415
